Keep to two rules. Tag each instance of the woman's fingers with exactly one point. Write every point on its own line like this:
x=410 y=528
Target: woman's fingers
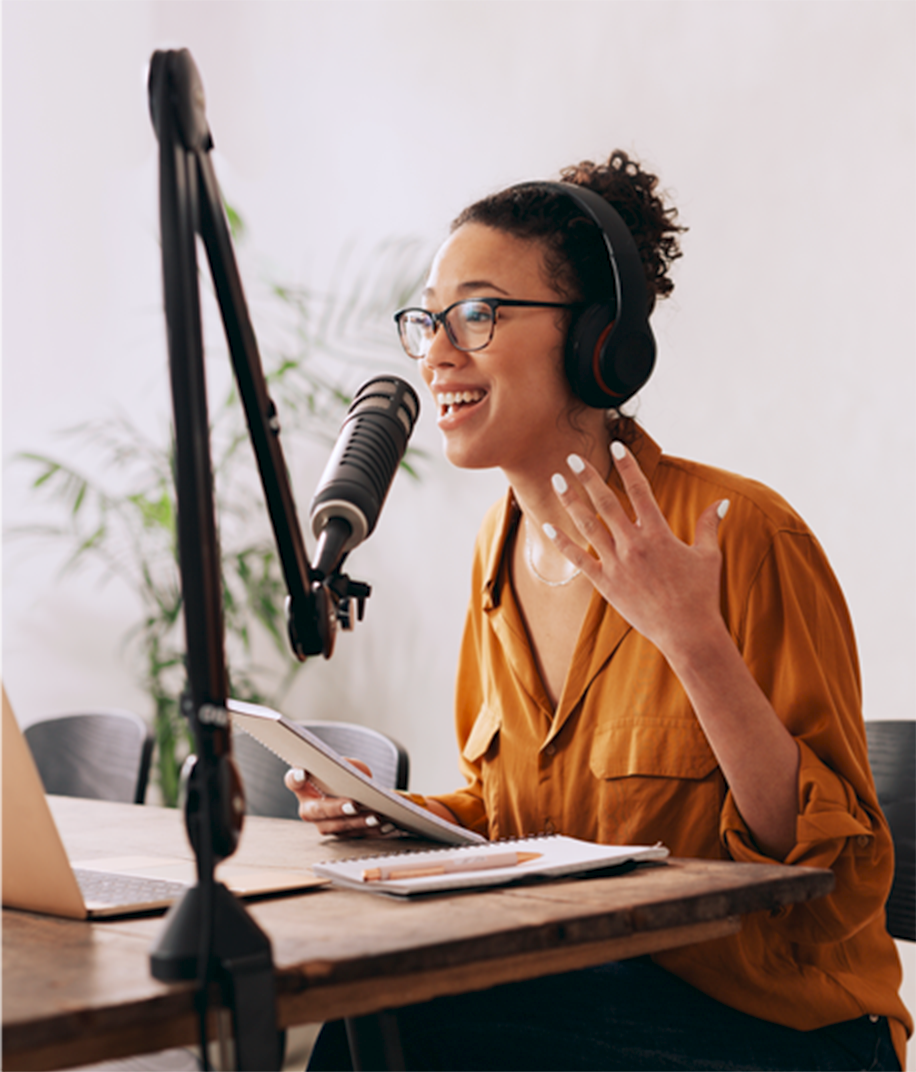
x=654 y=580
x=636 y=485
x=342 y=818
x=334 y=815
x=603 y=499
x=298 y=782
x=358 y=763
x=598 y=534
x=706 y=537
x=603 y=521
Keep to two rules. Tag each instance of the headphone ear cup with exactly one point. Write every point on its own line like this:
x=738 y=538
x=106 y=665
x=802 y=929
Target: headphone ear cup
x=604 y=367
x=586 y=336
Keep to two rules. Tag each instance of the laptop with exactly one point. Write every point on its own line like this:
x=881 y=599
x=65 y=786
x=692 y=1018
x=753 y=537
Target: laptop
x=38 y=875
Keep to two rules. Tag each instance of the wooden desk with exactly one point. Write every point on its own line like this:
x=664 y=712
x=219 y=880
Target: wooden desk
x=77 y=992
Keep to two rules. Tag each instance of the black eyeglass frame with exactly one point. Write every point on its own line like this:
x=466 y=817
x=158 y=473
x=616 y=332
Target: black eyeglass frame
x=493 y=303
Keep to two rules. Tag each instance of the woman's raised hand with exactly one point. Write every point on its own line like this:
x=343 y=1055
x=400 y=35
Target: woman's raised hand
x=666 y=589
x=335 y=816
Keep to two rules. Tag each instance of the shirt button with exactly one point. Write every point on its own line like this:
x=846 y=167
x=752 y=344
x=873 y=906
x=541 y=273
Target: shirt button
x=874 y=1019
x=550 y=749
x=863 y=841
x=549 y=828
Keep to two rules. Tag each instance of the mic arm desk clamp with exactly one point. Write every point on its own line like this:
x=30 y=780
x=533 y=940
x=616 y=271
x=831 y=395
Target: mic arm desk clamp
x=209 y=934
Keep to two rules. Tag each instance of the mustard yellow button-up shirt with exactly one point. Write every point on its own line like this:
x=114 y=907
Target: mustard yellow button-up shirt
x=623 y=759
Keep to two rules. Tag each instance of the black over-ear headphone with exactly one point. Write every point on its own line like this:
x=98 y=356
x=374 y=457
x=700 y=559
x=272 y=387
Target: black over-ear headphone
x=610 y=350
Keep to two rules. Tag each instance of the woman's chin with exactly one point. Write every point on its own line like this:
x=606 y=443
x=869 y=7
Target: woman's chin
x=464 y=455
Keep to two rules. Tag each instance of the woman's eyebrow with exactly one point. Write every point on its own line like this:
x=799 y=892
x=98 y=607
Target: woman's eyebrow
x=481 y=284
x=470 y=286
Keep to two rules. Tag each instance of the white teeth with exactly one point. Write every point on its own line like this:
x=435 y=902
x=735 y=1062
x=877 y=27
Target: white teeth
x=450 y=398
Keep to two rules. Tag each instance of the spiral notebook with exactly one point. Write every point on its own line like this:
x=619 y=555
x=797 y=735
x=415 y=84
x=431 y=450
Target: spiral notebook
x=295 y=745
x=430 y=871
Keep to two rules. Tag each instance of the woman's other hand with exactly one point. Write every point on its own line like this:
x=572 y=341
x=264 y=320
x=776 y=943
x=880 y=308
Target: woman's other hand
x=666 y=589
x=669 y=591
x=335 y=816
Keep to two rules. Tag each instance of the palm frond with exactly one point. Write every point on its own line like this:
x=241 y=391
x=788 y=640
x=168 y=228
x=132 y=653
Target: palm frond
x=113 y=493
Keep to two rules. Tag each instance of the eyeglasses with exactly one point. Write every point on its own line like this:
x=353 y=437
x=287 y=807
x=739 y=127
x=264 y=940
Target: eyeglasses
x=469 y=324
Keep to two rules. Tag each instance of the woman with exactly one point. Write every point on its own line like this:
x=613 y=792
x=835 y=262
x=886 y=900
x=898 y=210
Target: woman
x=654 y=650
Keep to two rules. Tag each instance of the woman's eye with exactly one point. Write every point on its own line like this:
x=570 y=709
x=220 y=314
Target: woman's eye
x=477 y=313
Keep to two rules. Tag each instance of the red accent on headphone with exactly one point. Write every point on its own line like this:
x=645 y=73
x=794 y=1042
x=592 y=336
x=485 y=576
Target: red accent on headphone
x=596 y=362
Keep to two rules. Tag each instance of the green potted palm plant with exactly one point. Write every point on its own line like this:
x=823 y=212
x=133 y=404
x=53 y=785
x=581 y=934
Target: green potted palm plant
x=115 y=508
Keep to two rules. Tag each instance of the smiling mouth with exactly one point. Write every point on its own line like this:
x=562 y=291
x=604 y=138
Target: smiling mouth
x=453 y=401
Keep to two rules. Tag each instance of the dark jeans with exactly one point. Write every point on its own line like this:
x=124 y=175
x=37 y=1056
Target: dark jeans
x=629 y=1015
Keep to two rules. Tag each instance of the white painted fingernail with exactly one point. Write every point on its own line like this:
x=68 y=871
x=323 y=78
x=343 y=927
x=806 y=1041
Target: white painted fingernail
x=559 y=484
x=618 y=449
x=387 y=828
x=348 y=808
x=722 y=508
x=298 y=776
x=371 y=820
x=549 y=530
x=575 y=463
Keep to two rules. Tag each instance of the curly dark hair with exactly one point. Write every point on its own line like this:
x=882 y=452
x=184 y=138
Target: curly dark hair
x=575 y=257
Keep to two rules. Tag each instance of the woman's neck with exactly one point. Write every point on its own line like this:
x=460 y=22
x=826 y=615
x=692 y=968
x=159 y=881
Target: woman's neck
x=531 y=481
x=538 y=504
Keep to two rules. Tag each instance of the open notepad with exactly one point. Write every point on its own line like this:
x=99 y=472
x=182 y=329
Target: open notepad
x=549 y=856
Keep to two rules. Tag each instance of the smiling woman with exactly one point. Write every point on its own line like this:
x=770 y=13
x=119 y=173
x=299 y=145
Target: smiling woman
x=655 y=650
x=515 y=398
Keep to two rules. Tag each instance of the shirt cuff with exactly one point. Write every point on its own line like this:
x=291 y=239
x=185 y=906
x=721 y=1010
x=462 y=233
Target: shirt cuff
x=829 y=813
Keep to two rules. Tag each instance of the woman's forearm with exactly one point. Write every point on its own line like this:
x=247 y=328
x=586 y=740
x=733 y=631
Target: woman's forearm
x=757 y=754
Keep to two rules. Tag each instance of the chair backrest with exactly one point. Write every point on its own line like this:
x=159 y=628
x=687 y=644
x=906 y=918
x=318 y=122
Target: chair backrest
x=262 y=772
x=892 y=755
x=104 y=755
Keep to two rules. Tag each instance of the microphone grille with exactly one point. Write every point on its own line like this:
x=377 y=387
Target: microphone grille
x=390 y=394
x=369 y=449
x=373 y=453
x=372 y=441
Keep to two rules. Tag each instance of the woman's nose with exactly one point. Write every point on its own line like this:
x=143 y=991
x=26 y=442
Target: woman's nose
x=442 y=352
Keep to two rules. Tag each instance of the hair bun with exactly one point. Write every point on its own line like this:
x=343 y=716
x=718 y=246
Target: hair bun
x=626 y=185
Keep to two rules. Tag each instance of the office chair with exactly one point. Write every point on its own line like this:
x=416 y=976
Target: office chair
x=262 y=772
x=892 y=755
x=103 y=755
x=265 y=794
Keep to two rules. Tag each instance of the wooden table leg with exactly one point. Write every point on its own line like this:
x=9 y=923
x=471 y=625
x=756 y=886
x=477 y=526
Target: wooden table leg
x=375 y=1043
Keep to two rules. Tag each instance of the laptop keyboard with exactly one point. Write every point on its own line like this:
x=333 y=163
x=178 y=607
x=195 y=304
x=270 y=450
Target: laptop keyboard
x=108 y=888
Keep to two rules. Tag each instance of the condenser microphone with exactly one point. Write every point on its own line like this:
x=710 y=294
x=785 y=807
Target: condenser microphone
x=355 y=482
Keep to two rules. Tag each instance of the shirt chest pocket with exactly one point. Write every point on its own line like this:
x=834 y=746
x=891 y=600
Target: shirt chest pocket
x=483 y=733
x=651 y=747
x=657 y=779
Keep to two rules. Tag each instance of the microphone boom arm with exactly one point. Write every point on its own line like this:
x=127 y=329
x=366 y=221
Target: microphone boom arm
x=208 y=933
x=311 y=609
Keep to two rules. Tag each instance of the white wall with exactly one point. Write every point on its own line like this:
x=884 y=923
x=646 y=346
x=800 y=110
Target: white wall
x=785 y=133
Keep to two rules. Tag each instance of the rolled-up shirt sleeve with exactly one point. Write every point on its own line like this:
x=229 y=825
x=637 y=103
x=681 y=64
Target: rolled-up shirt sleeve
x=833 y=830
x=804 y=658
